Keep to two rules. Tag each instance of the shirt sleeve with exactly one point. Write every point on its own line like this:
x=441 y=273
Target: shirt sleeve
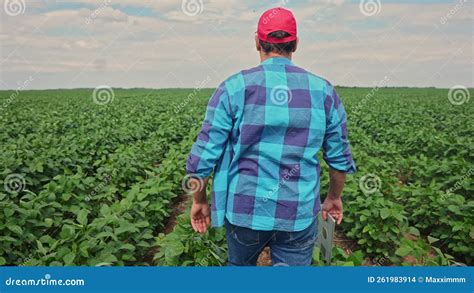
x=213 y=137
x=336 y=150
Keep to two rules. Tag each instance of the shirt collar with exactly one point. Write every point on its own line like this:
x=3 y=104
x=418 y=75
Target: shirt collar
x=278 y=60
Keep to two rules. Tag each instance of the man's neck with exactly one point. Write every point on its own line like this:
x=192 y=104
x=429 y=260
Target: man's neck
x=265 y=56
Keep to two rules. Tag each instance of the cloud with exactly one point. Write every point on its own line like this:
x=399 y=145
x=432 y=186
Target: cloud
x=83 y=43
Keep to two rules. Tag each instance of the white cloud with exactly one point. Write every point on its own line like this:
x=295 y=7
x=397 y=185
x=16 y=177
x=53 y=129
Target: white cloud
x=105 y=44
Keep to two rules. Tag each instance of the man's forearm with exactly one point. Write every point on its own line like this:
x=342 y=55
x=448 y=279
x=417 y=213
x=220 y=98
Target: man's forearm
x=199 y=196
x=336 y=183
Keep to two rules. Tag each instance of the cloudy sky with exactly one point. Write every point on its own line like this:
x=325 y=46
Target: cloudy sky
x=176 y=43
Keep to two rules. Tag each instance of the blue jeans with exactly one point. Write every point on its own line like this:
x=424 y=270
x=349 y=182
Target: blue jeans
x=286 y=248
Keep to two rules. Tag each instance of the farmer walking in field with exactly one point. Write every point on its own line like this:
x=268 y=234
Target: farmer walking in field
x=260 y=137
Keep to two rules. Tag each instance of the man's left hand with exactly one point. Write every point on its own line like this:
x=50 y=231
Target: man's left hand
x=333 y=206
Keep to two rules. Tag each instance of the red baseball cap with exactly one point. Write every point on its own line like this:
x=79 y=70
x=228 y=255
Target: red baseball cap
x=277 y=19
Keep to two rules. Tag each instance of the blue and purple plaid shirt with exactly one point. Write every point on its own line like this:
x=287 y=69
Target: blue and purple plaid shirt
x=263 y=129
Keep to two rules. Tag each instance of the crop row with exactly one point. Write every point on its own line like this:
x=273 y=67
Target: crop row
x=99 y=179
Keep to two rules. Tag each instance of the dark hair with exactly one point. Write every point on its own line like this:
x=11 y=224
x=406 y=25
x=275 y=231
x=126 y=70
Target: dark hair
x=282 y=48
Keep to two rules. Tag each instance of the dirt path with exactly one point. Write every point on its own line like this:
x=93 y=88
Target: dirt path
x=341 y=241
x=349 y=246
x=178 y=206
x=264 y=260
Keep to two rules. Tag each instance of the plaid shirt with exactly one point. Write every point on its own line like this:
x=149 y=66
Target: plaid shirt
x=263 y=129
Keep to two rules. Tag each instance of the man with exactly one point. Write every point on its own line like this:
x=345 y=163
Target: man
x=263 y=129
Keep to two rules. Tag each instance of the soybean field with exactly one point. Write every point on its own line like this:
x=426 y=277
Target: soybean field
x=96 y=178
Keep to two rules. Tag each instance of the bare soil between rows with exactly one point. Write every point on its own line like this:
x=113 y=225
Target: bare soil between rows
x=178 y=206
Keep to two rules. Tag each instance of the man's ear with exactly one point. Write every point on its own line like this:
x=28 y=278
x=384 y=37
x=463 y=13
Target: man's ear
x=257 y=43
x=297 y=42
